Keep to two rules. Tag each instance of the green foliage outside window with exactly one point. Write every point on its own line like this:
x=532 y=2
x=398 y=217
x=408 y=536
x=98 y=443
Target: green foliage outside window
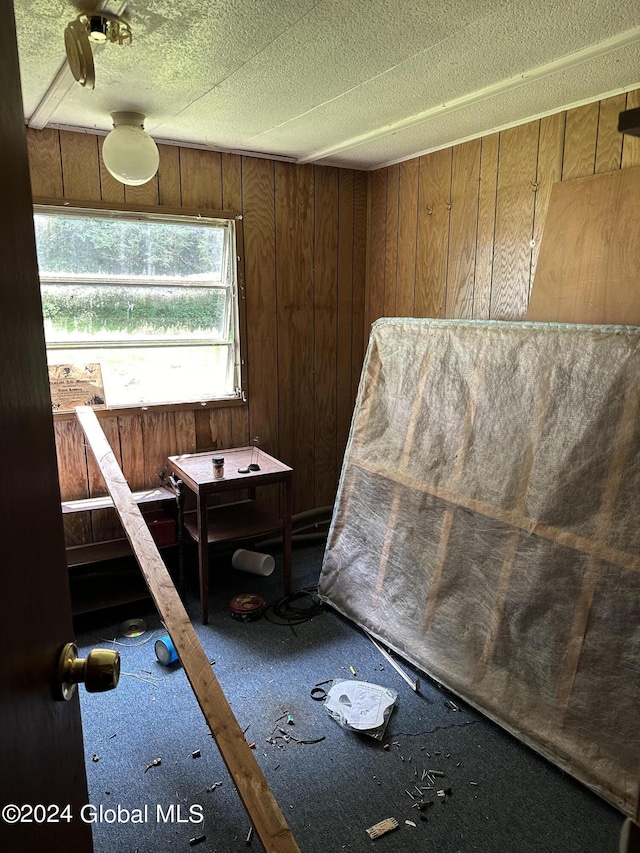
x=141 y=312
x=127 y=247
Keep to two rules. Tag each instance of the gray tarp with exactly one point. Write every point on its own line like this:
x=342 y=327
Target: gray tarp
x=487 y=527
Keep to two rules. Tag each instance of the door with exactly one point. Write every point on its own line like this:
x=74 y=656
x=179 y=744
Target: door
x=41 y=750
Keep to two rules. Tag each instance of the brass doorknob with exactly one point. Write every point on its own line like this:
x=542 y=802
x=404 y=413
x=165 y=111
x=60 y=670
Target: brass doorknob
x=99 y=671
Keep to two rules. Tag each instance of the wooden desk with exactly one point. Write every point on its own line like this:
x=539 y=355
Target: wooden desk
x=240 y=520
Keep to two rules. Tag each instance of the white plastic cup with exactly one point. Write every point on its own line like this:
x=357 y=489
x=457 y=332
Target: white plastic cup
x=253 y=562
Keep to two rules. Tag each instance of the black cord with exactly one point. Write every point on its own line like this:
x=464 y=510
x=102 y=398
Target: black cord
x=295 y=609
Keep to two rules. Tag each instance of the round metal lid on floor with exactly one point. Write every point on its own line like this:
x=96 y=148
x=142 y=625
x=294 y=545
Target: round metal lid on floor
x=246 y=607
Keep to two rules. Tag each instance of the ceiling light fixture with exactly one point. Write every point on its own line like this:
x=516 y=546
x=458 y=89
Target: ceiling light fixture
x=102 y=27
x=128 y=152
x=98 y=29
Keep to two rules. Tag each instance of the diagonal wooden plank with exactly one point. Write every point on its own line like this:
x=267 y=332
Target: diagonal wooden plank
x=256 y=796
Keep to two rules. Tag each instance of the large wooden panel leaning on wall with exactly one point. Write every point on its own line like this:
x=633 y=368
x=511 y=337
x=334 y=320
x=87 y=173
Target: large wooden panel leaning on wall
x=304 y=269
x=456 y=233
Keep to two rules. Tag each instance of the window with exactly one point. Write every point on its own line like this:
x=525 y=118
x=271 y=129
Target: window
x=152 y=299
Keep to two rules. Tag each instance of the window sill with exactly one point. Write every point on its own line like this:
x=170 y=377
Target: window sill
x=154 y=409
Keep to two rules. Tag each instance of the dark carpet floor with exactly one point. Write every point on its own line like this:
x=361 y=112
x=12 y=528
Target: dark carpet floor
x=503 y=797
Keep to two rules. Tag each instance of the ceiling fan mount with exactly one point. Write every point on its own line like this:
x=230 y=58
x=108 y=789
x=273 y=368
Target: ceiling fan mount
x=97 y=28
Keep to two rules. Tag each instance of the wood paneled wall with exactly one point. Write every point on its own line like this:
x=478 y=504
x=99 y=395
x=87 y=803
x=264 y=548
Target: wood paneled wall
x=304 y=272
x=456 y=233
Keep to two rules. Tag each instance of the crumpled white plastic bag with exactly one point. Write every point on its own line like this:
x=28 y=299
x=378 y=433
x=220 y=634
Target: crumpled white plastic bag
x=361 y=706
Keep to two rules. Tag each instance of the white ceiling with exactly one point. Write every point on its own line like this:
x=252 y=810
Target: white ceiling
x=357 y=83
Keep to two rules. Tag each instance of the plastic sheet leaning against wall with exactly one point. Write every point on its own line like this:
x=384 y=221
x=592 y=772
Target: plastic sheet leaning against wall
x=486 y=527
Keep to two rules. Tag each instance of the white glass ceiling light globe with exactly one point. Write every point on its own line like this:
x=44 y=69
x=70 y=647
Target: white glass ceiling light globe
x=129 y=153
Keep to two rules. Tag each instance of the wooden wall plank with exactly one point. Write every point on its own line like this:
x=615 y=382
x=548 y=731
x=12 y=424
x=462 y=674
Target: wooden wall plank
x=325 y=344
x=158 y=442
x=360 y=333
x=514 y=221
x=631 y=144
x=213 y=429
x=376 y=246
x=185 y=431
x=609 y=142
x=258 y=188
x=345 y=323
x=143 y=194
x=465 y=181
x=434 y=199
x=239 y=426
x=74 y=482
x=111 y=191
x=231 y=165
x=72 y=462
x=407 y=233
x=487 y=194
x=581 y=131
x=549 y=170
x=294 y=275
x=201 y=179
x=132 y=450
x=104 y=522
x=169 y=176
x=80 y=166
x=45 y=162
x=391 y=242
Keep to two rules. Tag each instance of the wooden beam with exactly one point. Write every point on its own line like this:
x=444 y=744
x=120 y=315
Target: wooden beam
x=256 y=796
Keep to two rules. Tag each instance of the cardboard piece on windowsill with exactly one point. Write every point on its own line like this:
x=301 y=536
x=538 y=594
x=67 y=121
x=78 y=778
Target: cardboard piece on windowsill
x=76 y=385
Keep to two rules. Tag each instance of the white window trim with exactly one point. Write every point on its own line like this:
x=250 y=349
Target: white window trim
x=231 y=258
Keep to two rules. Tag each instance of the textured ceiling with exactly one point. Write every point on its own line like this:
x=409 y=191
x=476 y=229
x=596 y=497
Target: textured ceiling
x=359 y=83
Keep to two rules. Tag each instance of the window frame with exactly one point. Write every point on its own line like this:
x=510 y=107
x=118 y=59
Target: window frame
x=145 y=211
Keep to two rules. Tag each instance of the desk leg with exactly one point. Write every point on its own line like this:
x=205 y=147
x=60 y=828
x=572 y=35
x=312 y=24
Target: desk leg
x=180 y=525
x=286 y=535
x=203 y=557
